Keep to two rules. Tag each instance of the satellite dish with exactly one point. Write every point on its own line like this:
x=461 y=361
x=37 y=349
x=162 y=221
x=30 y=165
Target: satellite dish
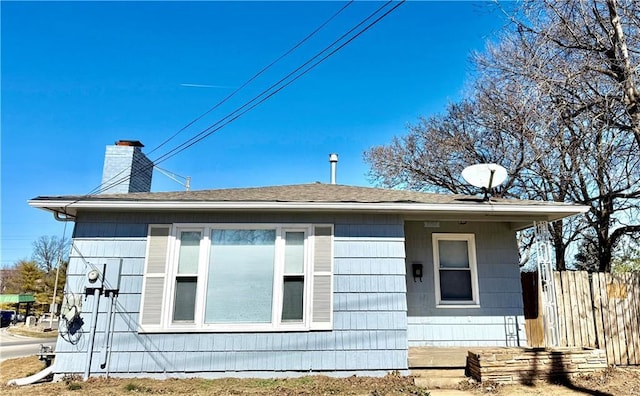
x=485 y=176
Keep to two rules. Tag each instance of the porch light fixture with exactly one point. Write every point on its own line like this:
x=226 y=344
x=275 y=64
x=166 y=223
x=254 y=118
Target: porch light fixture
x=416 y=268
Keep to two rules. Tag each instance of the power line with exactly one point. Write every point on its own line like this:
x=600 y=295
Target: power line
x=206 y=132
x=210 y=131
x=101 y=187
x=239 y=111
x=258 y=74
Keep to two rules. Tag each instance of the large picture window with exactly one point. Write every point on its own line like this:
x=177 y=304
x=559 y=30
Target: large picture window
x=455 y=270
x=224 y=277
x=241 y=269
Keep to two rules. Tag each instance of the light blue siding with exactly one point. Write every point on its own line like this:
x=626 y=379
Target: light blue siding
x=369 y=333
x=498 y=321
x=444 y=331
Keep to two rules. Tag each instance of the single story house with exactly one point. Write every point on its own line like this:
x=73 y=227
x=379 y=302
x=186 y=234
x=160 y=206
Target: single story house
x=286 y=280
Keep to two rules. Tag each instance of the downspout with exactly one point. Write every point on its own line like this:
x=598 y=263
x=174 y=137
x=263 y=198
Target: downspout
x=67 y=217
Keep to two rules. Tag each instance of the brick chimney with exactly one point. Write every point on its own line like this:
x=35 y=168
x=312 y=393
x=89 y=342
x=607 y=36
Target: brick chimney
x=125 y=161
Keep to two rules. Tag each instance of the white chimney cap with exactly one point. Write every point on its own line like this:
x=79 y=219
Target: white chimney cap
x=333 y=157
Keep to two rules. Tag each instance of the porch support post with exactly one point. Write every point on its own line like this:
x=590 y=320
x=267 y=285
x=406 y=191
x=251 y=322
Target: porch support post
x=546 y=284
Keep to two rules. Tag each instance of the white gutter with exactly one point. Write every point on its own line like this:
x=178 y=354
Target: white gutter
x=70 y=207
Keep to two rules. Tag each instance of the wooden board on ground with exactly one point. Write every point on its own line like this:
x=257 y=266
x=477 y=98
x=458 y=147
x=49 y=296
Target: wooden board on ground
x=438 y=357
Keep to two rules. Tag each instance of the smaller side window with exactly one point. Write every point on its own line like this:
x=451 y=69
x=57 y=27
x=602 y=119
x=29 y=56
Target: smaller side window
x=455 y=270
x=293 y=280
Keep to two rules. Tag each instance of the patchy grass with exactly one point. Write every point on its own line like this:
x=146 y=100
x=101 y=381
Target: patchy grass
x=310 y=385
x=133 y=387
x=18 y=368
x=613 y=381
x=35 y=332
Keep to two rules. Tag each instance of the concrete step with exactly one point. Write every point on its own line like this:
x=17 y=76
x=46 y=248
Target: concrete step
x=439 y=378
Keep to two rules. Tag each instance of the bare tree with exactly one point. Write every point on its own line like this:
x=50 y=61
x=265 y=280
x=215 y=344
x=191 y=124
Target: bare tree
x=48 y=250
x=583 y=57
x=556 y=103
x=595 y=43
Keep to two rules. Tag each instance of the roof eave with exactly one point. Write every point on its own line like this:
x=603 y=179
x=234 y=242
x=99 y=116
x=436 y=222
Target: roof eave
x=546 y=210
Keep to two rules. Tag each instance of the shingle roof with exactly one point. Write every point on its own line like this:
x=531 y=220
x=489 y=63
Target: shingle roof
x=316 y=197
x=315 y=192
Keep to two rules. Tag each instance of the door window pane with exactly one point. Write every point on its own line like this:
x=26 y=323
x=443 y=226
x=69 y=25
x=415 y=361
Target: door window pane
x=185 y=301
x=189 y=251
x=294 y=253
x=293 y=298
x=240 y=285
x=455 y=285
x=453 y=254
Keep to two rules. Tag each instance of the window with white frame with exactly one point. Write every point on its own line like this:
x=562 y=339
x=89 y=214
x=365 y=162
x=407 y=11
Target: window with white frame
x=231 y=277
x=455 y=270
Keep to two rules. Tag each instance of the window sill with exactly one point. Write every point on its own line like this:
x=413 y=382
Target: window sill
x=458 y=305
x=227 y=329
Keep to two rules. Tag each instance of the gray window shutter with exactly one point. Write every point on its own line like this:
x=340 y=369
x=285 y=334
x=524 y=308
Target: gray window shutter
x=322 y=294
x=154 y=277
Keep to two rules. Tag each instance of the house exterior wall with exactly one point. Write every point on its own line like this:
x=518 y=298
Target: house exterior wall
x=498 y=321
x=369 y=333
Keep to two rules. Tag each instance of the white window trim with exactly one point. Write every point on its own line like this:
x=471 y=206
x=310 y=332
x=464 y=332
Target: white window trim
x=276 y=323
x=471 y=249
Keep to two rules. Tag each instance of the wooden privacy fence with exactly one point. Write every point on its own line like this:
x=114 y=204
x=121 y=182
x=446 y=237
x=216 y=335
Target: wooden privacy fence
x=598 y=310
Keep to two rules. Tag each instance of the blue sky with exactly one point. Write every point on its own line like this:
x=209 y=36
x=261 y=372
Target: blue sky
x=78 y=76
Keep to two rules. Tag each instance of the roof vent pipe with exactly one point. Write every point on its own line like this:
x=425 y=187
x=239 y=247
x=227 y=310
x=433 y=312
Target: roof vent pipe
x=333 y=160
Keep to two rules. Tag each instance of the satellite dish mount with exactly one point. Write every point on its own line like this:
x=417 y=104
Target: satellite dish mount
x=485 y=176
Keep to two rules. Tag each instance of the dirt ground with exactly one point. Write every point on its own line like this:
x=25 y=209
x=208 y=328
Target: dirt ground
x=620 y=381
x=613 y=381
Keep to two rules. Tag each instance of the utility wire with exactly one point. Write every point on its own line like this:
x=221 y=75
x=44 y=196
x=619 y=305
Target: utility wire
x=101 y=187
x=239 y=111
x=206 y=132
x=211 y=130
x=258 y=74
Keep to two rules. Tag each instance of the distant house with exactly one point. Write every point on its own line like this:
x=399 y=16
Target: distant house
x=287 y=280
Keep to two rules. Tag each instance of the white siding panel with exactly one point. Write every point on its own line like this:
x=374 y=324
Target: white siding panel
x=134 y=266
x=466 y=331
x=369 y=249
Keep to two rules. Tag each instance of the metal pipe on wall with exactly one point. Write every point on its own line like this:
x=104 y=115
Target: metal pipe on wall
x=92 y=333
x=107 y=330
